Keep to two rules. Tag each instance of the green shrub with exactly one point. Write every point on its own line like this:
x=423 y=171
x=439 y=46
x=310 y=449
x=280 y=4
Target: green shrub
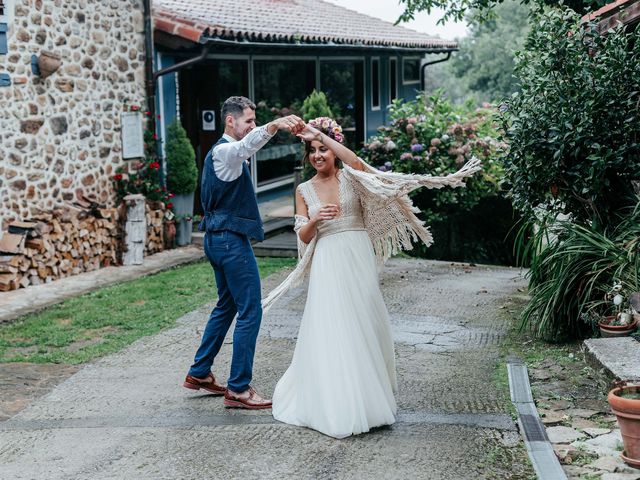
x=182 y=171
x=572 y=267
x=573 y=129
x=316 y=105
x=435 y=138
x=430 y=136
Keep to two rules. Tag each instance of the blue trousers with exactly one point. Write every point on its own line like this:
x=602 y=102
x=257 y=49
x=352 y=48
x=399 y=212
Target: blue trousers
x=238 y=281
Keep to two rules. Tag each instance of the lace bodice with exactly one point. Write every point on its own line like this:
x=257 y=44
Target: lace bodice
x=351 y=214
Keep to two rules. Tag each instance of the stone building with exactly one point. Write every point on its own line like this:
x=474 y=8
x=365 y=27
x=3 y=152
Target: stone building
x=60 y=135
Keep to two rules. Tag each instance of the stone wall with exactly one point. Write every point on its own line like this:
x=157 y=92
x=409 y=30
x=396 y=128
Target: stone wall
x=60 y=135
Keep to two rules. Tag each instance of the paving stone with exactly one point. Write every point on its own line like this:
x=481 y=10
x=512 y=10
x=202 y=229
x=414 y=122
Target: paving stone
x=607 y=444
x=565 y=453
x=594 y=432
x=583 y=423
x=608 y=463
x=540 y=375
x=551 y=418
x=563 y=434
x=620 y=476
x=576 y=472
x=555 y=404
x=581 y=413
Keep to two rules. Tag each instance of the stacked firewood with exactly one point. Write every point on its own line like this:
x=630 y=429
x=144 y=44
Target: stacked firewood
x=77 y=238
x=155 y=228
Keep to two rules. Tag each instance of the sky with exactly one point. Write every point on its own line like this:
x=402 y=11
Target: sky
x=390 y=10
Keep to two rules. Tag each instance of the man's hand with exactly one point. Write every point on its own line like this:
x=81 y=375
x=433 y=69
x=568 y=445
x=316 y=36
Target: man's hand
x=290 y=123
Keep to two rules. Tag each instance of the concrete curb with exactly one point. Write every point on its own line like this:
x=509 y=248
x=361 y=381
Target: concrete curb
x=540 y=450
x=619 y=358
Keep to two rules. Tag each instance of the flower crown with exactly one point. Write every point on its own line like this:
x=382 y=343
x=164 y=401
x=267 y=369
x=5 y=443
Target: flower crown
x=329 y=127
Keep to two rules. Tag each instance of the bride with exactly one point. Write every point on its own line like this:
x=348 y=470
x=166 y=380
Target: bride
x=342 y=377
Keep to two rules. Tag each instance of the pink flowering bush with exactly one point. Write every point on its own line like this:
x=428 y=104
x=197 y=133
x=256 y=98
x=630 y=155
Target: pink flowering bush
x=431 y=136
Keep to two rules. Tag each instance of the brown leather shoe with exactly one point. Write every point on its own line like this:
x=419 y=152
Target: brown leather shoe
x=209 y=384
x=248 y=399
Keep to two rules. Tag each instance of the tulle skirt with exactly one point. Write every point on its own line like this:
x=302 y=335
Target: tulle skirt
x=342 y=378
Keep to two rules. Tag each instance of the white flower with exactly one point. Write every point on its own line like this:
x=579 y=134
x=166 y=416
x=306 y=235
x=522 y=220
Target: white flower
x=617 y=300
x=444 y=137
x=390 y=145
x=617 y=287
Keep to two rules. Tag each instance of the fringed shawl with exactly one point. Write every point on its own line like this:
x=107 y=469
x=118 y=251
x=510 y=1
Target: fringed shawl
x=388 y=213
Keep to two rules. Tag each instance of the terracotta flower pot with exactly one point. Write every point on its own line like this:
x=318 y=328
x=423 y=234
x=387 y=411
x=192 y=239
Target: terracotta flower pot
x=609 y=331
x=627 y=411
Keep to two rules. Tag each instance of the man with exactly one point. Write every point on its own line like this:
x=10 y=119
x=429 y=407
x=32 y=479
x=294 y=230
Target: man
x=231 y=220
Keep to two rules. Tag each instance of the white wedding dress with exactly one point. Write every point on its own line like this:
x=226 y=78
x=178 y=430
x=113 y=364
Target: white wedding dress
x=342 y=378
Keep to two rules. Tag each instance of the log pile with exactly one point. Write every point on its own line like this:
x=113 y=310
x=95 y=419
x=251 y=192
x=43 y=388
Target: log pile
x=155 y=228
x=77 y=238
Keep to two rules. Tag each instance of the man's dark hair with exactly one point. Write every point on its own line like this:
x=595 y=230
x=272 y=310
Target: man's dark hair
x=235 y=106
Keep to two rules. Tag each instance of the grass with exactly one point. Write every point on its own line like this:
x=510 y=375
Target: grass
x=105 y=321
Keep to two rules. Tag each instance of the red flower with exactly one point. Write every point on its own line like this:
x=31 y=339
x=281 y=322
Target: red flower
x=169 y=205
x=147 y=113
x=135 y=108
x=171 y=195
x=158 y=117
x=154 y=166
x=117 y=177
x=155 y=136
x=157 y=189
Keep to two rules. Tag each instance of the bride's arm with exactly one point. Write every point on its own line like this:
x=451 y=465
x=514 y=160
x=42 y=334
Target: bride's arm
x=343 y=153
x=326 y=212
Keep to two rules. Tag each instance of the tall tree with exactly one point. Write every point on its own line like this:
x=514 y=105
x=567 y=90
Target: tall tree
x=485 y=9
x=483 y=68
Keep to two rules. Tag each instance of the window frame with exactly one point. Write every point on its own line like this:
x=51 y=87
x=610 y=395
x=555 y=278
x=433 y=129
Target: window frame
x=404 y=80
x=374 y=107
x=393 y=79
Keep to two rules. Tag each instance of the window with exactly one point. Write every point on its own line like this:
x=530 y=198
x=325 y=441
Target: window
x=4 y=20
x=393 y=79
x=280 y=87
x=5 y=8
x=410 y=70
x=375 y=84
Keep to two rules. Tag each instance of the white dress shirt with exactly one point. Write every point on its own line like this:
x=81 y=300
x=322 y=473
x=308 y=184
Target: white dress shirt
x=229 y=157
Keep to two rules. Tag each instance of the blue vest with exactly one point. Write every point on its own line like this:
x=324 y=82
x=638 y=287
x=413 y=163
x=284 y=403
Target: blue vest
x=229 y=205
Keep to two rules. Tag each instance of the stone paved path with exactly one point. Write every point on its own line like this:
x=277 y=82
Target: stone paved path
x=126 y=415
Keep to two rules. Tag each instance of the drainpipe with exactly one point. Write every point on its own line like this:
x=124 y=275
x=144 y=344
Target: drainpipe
x=423 y=69
x=150 y=82
x=184 y=64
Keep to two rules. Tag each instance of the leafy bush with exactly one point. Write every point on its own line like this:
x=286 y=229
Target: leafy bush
x=433 y=137
x=573 y=129
x=572 y=268
x=430 y=136
x=316 y=105
x=182 y=171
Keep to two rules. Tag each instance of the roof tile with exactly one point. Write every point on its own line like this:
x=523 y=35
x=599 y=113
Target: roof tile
x=309 y=21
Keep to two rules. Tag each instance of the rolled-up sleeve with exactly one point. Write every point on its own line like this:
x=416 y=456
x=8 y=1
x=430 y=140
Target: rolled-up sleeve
x=228 y=157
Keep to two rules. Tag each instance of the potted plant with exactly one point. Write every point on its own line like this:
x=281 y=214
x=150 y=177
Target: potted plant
x=624 y=320
x=182 y=177
x=624 y=401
